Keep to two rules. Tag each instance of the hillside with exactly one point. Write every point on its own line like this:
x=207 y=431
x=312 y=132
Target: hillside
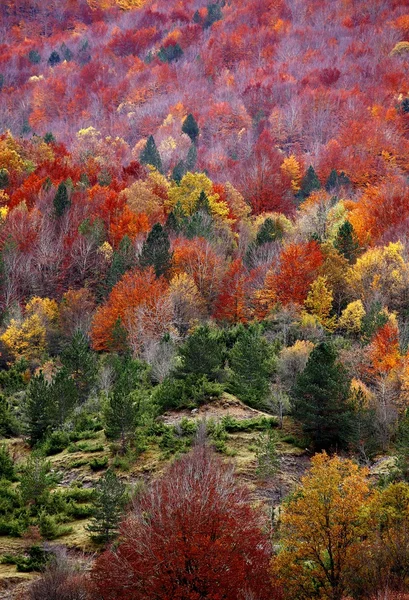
x=204 y=287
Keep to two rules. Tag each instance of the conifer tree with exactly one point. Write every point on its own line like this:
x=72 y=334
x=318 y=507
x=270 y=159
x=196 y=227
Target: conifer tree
x=61 y=201
x=156 y=251
x=202 y=354
x=309 y=183
x=346 y=242
x=80 y=362
x=190 y=127
x=108 y=507
x=150 y=155
x=322 y=399
x=252 y=364
x=38 y=409
x=191 y=158
x=178 y=171
x=123 y=259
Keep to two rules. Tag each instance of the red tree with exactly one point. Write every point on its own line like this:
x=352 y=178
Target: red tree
x=299 y=264
x=231 y=302
x=192 y=535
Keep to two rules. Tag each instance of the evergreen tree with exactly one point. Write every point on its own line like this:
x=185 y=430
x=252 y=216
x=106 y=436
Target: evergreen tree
x=269 y=231
x=63 y=397
x=309 y=183
x=203 y=203
x=214 y=13
x=108 y=507
x=170 y=53
x=374 y=319
x=150 y=155
x=156 y=251
x=6 y=464
x=190 y=127
x=179 y=171
x=202 y=354
x=61 y=201
x=402 y=447
x=34 y=57
x=251 y=363
x=322 y=399
x=346 y=242
x=8 y=423
x=38 y=408
x=123 y=259
x=66 y=52
x=36 y=481
x=191 y=158
x=80 y=362
x=4 y=179
x=54 y=59
x=122 y=407
x=267 y=456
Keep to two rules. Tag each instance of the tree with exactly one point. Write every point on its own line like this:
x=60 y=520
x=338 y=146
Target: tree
x=122 y=406
x=123 y=259
x=156 y=251
x=37 y=408
x=202 y=354
x=252 y=365
x=61 y=201
x=54 y=58
x=319 y=302
x=193 y=534
x=346 y=242
x=190 y=127
x=309 y=183
x=267 y=456
x=321 y=399
x=150 y=155
x=321 y=530
x=81 y=364
x=36 y=481
x=109 y=502
x=352 y=316
x=230 y=305
x=299 y=264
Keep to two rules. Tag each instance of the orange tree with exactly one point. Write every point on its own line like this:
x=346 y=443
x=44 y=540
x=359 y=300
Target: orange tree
x=322 y=530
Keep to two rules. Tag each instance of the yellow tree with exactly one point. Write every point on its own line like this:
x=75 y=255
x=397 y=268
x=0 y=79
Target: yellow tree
x=188 y=194
x=291 y=167
x=319 y=302
x=26 y=339
x=321 y=530
x=351 y=317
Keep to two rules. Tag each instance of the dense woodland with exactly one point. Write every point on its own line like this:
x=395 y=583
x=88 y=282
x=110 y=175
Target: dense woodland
x=205 y=205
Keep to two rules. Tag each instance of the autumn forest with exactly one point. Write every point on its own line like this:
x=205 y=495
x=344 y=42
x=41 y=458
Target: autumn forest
x=204 y=299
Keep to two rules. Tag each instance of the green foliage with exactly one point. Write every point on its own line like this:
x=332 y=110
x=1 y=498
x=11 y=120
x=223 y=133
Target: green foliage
x=214 y=13
x=123 y=259
x=156 y=251
x=35 y=560
x=66 y=52
x=269 y=231
x=402 y=448
x=4 y=176
x=170 y=53
x=179 y=170
x=54 y=59
x=202 y=354
x=346 y=242
x=336 y=180
x=8 y=422
x=191 y=158
x=36 y=482
x=255 y=424
x=61 y=201
x=109 y=503
x=374 y=319
x=190 y=127
x=150 y=155
x=50 y=529
x=98 y=464
x=252 y=364
x=12 y=379
x=34 y=57
x=49 y=138
x=322 y=399
x=267 y=456
x=309 y=183
x=81 y=364
x=7 y=470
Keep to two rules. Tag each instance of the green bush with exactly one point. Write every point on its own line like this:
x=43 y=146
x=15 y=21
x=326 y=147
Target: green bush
x=50 y=529
x=56 y=442
x=85 y=447
x=97 y=464
x=6 y=464
x=256 y=424
x=35 y=560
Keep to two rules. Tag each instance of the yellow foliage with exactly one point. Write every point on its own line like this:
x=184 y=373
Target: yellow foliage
x=4 y=210
x=187 y=302
x=27 y=339
x=148 y=196
x=44 y=308
x=291 y=167
x=380 y=273
x=351 y=317
x=319 y=302
x=106 y=250
x=188 y=193
x=236 y=202
x=323 y=519
x=400 y=49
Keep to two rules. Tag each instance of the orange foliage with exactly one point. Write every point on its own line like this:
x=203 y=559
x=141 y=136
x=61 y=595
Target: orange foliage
x=230 y=304
x=299 y=265
x=384 y=351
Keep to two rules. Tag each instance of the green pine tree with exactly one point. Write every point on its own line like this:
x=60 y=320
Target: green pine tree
x=156 y=251
x=178 y=172
x=309 y=183
x=4 y=179
x=63 y=398
x=81 y=364
x=191 y=158
x=150 y=155
x=108 y=507
x=37 y=407
x=7 y=470
x=61 y=201
x=123 y=259
x=346 y=242
x=269 y=231
x=252 y=363
x=321 y=399
x=190 y=127
x=202 y=354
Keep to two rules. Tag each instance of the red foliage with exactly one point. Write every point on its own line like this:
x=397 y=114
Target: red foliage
x=299 y=264
x=192 y=535
x=230 y=304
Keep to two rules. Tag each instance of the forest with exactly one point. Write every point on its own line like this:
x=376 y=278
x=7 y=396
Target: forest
x=204 y=300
